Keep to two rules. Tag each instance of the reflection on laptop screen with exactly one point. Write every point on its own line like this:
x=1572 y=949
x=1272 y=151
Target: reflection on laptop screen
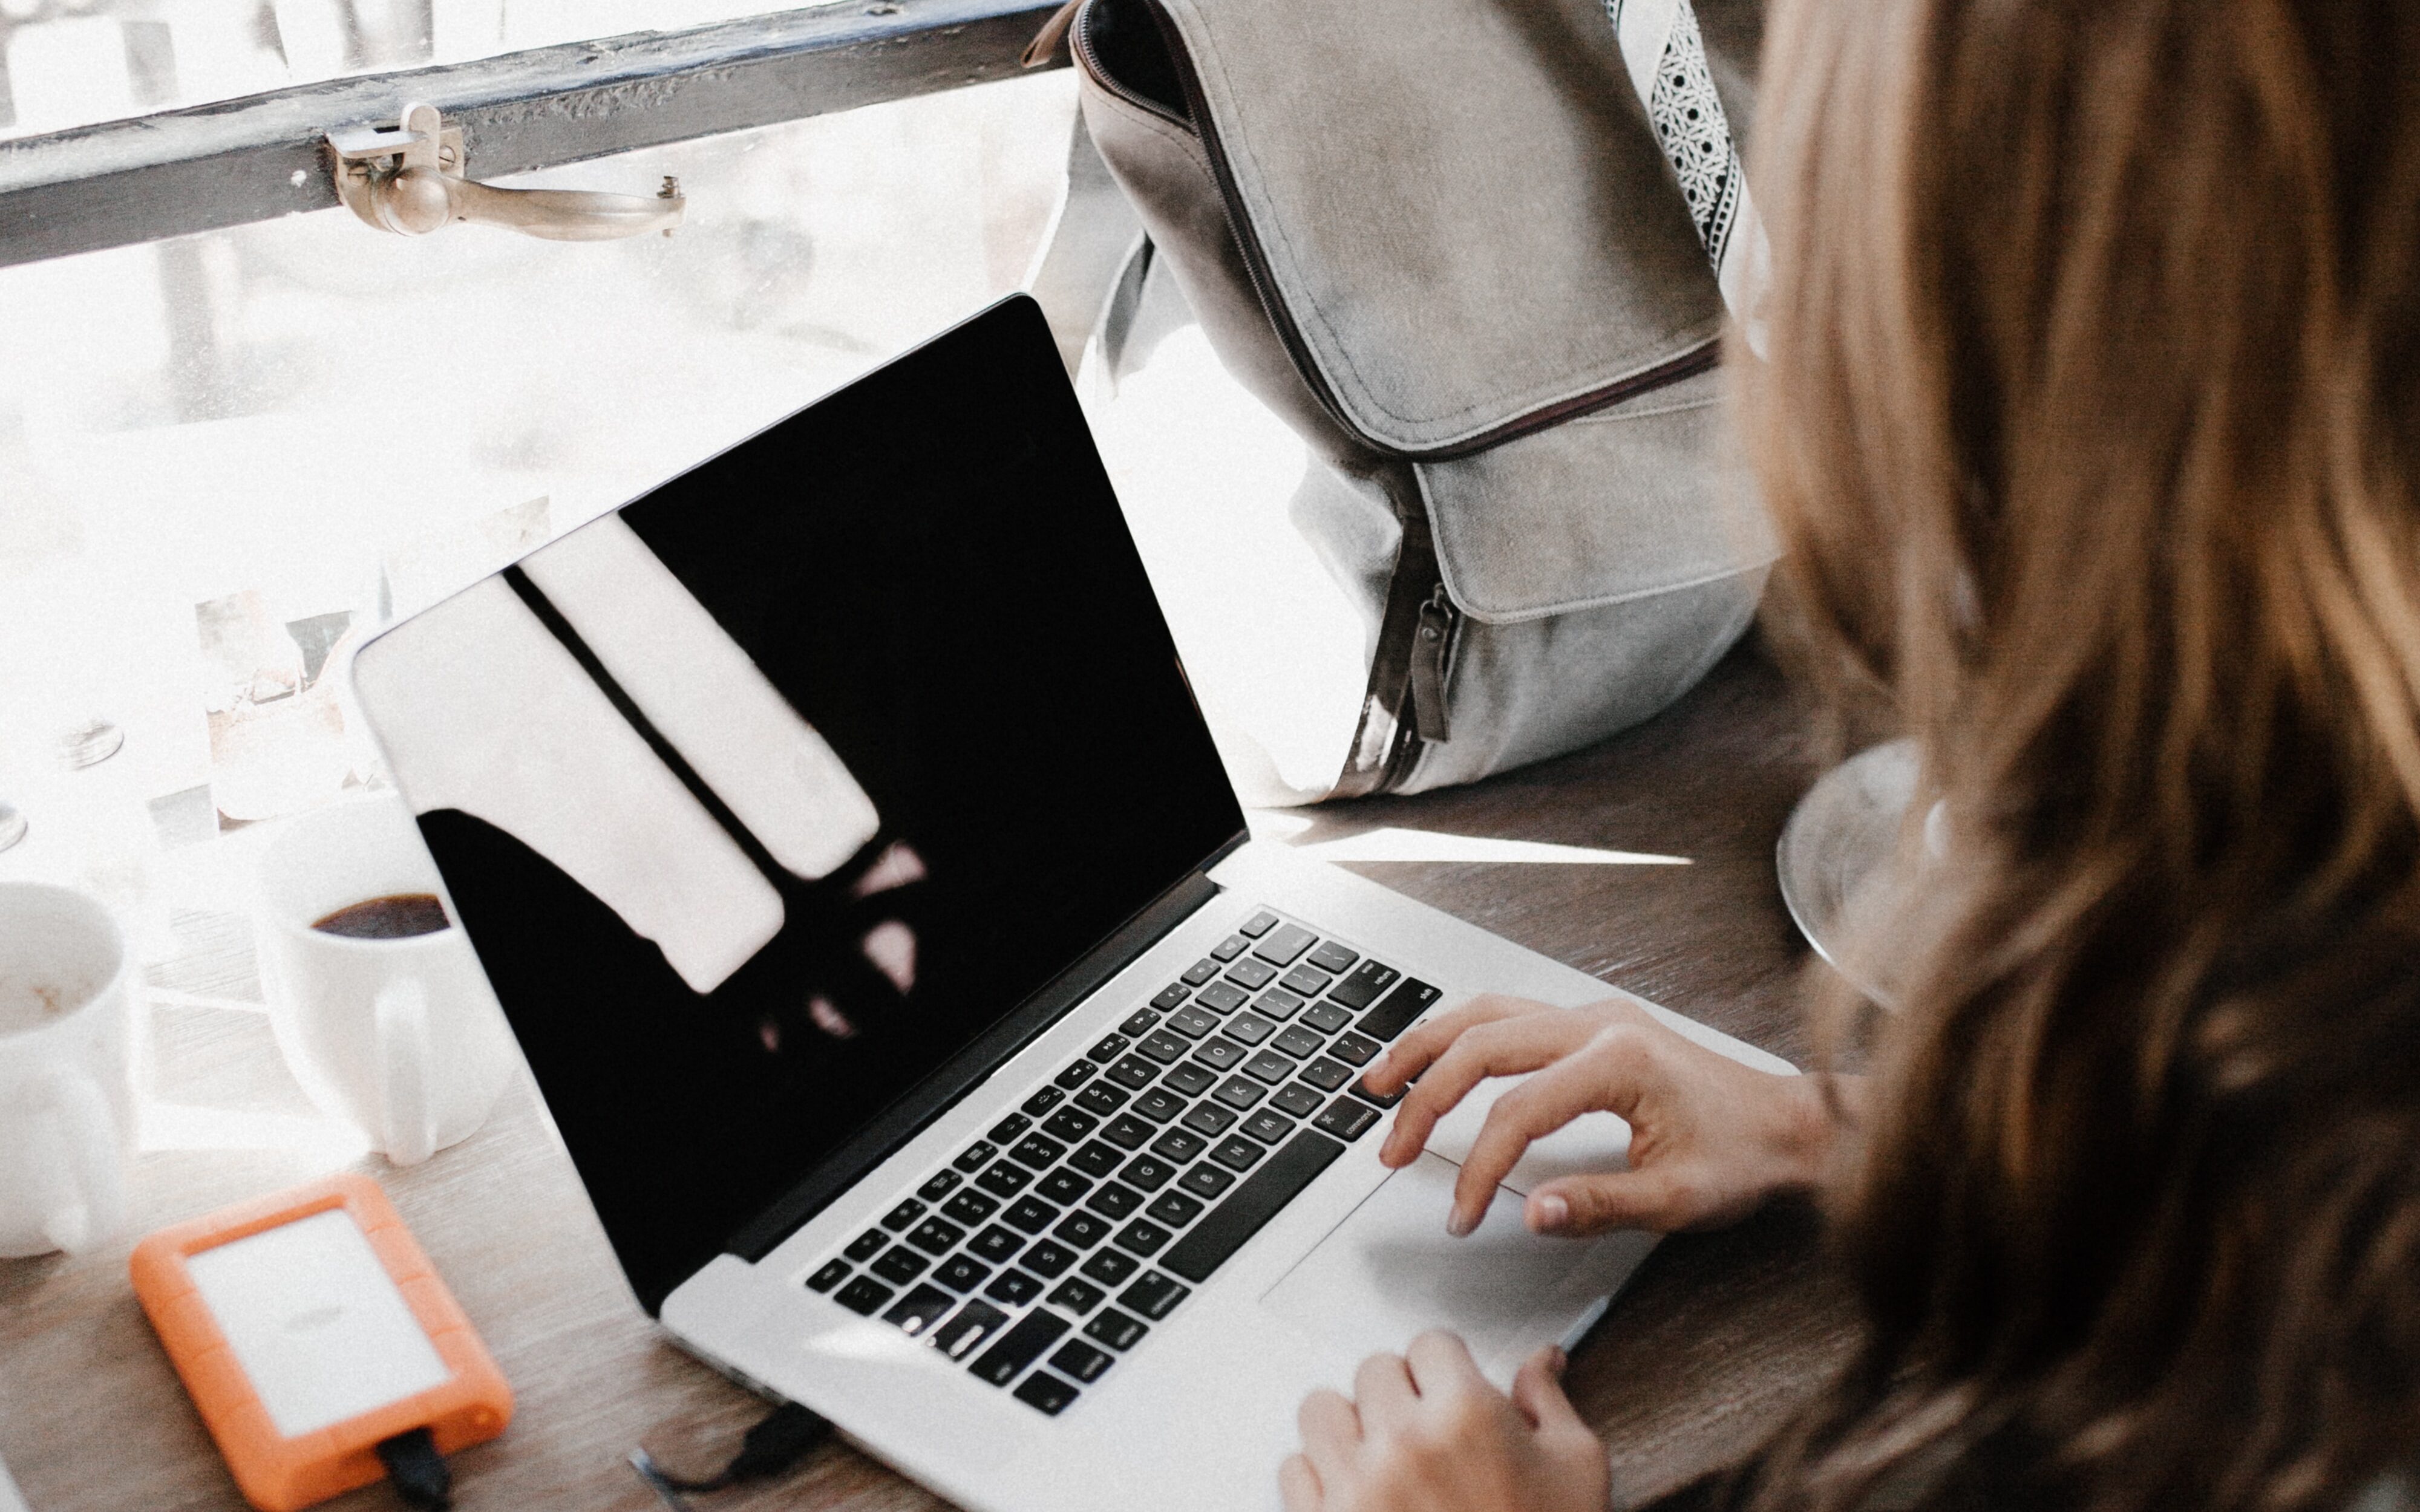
x=764 y=797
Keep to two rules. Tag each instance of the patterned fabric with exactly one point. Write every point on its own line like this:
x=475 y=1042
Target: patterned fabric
x=1667 y=59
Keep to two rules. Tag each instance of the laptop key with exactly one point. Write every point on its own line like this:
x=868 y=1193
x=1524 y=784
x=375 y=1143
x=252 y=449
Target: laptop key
x=1014 y=1287
x=866 y=1245
x=1047 y=1259
x=1101 y=1098
x=1236 y=1153
x=1178 y=1145
x=1154 y=1296
x=1075 y=1075
x=1277 y=1003
x=1032 y=1214
x=1063 y=1187
x=969 y=1208
x=1231 y=1224
x=1268 y=1066
x=1174 y=1209
x=1206 y=1179
x=938 y=1185
x=1251 y=974
x=1199 y=972
x=1268 y=1127
x=1327 y=1075
x=1126 y=1131
x=1114 y=1201
x=1361 y=1091
x=996 y=1243
x=1147 y=1172
x=1003 y=1178
x=899 y=1263
x=1043 y=1100
x=1249 y=1028
x=1134 y=1072
x=1141 y=1021
x=1297 y=1041
x=1171 y=995
x=901 y=1215
x=1143 y=1237
x=1360 y=990
x=1222 y=997
x=1298 y=1101
x=1346 y=1119
x=1069 y=1124
x=971 y=1158
x=1111 y=1048
x=1230 y=948
x=1097 y=1159
x=1077 y=1295
x=1284 y=945
x=1258 y=925
x=1220 y=1054
x=933 y=1237
x=1396 y=1010
x=1080 y=1360
x=1111 y=1266
x=1006 y=1130
x=1191 y=1023
x=1159 y=1104
x=919 y=1309
x=829 y=1276
x=1190 y=1079
x=1020 y=1347
x=1353 y=1049
x=1331 y=956
x=1037 y=1151
x=1163 y=1047
x=1209 y=1118
x=1326 y=1017
x=1082 y=1229
x=1306 y=981
x=961 y=1272
x=1239 y=1092
x=1116 y=1329
x=976 y=1322
x=863 y=1295
x=1046 y=1393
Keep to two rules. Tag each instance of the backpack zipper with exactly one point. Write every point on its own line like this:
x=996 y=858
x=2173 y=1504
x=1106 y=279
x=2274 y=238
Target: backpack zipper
x=1256 y=268
x=1432 y=654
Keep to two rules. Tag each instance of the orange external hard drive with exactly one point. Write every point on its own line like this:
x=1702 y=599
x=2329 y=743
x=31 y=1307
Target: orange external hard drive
x=309 y=1329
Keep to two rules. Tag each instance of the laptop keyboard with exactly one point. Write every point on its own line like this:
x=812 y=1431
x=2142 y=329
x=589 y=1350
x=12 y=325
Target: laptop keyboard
x=1045 y=1250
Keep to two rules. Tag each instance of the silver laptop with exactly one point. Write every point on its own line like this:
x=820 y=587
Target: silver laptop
x=842 y=840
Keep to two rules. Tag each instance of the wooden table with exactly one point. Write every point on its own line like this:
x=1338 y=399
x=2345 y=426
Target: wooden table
x=1716 y=1338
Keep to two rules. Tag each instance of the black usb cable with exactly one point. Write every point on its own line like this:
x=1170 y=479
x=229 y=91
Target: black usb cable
x=778 y=1441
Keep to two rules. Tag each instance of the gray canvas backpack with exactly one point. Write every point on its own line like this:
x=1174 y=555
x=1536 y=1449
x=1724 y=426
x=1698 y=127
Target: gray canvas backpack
x=1440 y=239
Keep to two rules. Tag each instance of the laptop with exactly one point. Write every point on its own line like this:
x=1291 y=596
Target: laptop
x=885 y=938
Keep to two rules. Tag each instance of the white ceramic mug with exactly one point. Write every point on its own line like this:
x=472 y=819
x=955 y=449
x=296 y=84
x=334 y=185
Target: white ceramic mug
x=401 y=1037
x=67 y=1097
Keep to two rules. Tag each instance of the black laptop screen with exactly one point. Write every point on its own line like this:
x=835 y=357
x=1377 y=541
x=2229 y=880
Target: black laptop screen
x=762 y=799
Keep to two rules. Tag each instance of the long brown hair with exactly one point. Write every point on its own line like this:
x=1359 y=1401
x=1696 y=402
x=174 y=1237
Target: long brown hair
x=2091 y=422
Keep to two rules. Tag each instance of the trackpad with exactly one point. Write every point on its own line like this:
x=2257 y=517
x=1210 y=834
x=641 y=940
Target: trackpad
x=1391 y=1271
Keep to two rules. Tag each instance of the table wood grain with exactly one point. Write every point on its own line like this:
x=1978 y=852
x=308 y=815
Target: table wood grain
x=1715 y=1340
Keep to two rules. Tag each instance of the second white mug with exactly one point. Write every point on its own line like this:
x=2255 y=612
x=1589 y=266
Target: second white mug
x=400 y=1036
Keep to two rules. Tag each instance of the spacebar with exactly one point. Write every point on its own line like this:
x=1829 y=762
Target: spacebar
x=1237 y=1220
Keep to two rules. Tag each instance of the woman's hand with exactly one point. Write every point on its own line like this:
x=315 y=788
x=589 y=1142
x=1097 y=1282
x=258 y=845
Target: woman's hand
x=1710 y=1139
x=1425 y=1432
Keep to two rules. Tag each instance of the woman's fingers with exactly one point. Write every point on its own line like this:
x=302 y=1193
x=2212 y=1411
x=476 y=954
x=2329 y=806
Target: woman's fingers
x=1383 y=1391
x=1332 y=1433
x=1298 y=1485
x=1414 y=1053
x=1439 y=1363
x=1609 y=1074
x=1504 y=1047
x=1538 y=1392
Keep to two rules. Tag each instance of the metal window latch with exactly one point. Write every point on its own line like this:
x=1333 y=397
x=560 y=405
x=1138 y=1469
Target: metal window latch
x=409 y=179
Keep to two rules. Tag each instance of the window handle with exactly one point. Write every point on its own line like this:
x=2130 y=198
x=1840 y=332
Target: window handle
x=411 y=179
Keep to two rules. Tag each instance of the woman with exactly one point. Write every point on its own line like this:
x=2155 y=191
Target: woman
x=2090 y=422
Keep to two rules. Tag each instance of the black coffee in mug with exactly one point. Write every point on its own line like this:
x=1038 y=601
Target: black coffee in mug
x=394 y=917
